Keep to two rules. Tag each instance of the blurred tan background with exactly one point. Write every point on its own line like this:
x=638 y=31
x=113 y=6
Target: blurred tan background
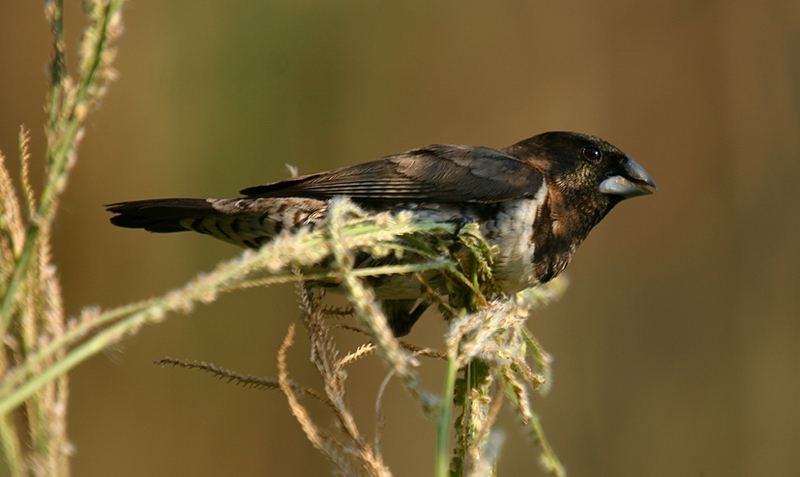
x=677 y=345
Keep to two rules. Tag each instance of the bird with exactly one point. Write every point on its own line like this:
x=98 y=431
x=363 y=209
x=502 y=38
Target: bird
x=535 y=202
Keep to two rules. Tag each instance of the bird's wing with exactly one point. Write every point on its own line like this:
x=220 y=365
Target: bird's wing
x=437 y=173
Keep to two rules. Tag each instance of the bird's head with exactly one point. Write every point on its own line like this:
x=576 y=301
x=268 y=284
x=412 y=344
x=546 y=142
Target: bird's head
x=585 y=169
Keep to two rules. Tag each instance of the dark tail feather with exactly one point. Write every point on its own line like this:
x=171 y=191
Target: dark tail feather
x=159 y=215
x=402 y=314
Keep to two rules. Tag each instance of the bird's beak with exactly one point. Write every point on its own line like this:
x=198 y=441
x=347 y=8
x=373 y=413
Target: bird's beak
x=635 y=181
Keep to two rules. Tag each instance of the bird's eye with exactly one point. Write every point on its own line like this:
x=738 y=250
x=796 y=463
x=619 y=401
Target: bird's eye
x=593 y=154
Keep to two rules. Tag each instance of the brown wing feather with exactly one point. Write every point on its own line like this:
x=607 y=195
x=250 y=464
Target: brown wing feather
x=437 y=173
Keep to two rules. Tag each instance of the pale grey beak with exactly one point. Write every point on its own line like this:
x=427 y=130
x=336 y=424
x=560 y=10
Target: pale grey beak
x=635 y=182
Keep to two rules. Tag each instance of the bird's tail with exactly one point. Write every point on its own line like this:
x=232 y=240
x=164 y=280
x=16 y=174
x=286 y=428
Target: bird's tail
x=247 y=222
x=159 y=215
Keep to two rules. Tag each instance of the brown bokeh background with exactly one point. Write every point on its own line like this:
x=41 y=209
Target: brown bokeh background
x=677 y=345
